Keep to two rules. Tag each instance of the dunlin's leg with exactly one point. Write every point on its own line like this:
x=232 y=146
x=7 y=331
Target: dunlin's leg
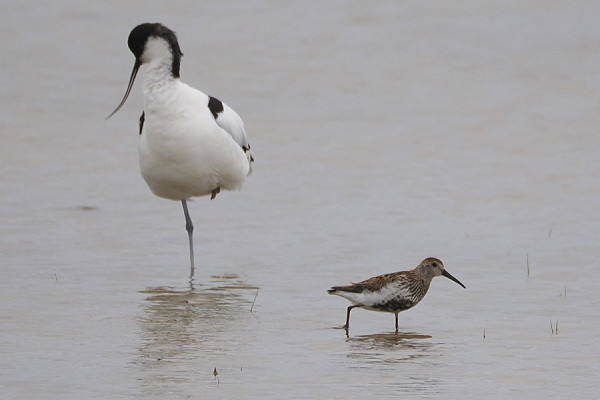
x=396 y=314
x=347 y=326
x=189 y=227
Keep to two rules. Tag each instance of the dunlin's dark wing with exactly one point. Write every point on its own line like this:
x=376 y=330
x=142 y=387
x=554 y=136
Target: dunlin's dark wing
x=370 y=285
x=393 y=292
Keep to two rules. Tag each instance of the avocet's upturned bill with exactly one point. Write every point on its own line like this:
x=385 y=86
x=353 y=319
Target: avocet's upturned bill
x=191 y=144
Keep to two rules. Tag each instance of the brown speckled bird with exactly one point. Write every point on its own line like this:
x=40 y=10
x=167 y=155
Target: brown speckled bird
x=393 y=292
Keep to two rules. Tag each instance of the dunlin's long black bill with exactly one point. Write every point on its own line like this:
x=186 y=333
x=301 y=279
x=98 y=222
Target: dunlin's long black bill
x=449 y=276
x=136 y=67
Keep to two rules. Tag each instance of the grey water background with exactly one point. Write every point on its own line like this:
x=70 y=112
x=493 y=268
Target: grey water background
x=384 y=132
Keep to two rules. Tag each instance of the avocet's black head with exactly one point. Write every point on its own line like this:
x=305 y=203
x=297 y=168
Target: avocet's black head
x=137 y=42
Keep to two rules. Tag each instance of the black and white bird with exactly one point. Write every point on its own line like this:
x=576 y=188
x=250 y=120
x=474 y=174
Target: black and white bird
x=191 y=144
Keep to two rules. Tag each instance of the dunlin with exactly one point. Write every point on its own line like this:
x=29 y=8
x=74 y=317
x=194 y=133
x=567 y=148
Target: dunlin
x=393 y=292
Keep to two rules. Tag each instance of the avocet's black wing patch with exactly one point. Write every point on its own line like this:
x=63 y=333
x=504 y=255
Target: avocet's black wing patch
x=142 y=118
x=215 y=106
x=230 y=122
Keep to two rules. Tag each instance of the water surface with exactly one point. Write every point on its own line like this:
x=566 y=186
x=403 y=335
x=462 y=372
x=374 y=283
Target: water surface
x=382 y=135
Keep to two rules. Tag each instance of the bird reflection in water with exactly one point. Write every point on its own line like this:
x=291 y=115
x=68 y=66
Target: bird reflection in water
x=386 y=352
x=390 y=347
x=181 y=323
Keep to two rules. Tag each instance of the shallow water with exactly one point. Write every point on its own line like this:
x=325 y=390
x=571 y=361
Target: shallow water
x=382 y=135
